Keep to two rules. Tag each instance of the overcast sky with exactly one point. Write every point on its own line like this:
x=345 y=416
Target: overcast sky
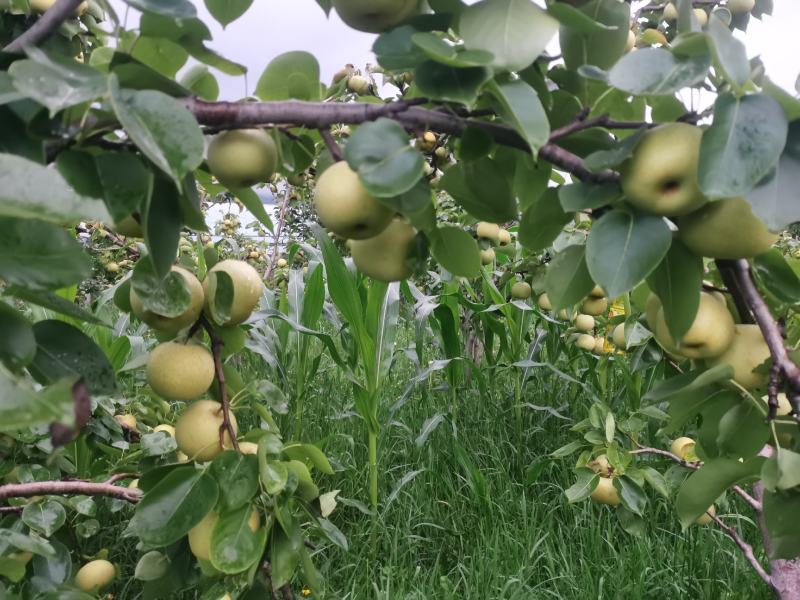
x=272 y=27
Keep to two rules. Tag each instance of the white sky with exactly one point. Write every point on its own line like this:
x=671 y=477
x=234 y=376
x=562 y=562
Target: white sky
x=272 y=27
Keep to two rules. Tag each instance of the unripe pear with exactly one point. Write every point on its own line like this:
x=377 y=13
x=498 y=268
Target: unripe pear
x=180 y=371
x=488 y=231
x=172 y=324
x=200 y=535
x=605 y=492
x=630 y=43
x=168 y=429
x=358 y=84
x=747 y=351
x=281 y=263
x=487 y=256
x=584 y=322
x=725 y=229
x=126 y=421
x=544 y=302
x=585 y=342
x=504 y=237
x=197 y=430
x=94 y=576
x=670 y=12
x=134 y=484
x=594 y=306
x=683 y=447
x=599 y=345
x=618 y=337
x=373 y=16
x=601 y=466
x=241 y=158
x=346 y=208
x=383 y=257
x=521 y=290
x=248 y=448
x=247 y=289
x=710 y=334
x=705 y=518
x=661 y=176
x=652 y=306
x=306 y=488
x=597 y=292
x=738 y=7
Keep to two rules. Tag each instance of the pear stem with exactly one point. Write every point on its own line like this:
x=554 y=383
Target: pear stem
x=216 y=352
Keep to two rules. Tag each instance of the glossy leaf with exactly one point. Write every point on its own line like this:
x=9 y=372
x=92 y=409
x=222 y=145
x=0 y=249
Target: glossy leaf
x=567 y=280
x=455 y=250
x=677 y=282
x=227 y=11
x=583 y=487
x=290 y=75
x=234 y=546
x=602 y=45
x=179 y=9
x=520 y=104
x=21 y=406
x=775 y=274
x=482 y=189
x=543 y=221
x=729 y=53
x=45 y=516
x=655 y=71
x=450 y=84
x=581 y=196
x=395 y=49
x=237 y=478
x=17 y=344
x=780 y=515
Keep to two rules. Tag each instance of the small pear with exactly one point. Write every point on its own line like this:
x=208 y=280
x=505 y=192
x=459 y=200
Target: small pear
x=605 y=492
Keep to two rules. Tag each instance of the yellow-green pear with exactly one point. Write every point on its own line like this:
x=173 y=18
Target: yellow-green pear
x=725 y=229
x=651 y=308
x=605 y=492
x=661 y=176
x=241 y=158
x=747 y=351
x=594 y=306
x=306 y=488
x=683 y=448
x=134 y=484
x=172 y=324
x=488 y=231
x=281 y=264
x=168 y=429
x=247 y=289
x=487 y=256
x=630 y=42
x=129 y=227
x=601 y=466
x=383 y=257
x=358 y=84
x=521 y=290
x=544 y=302
x=200 y=535
x=706 y=517
x=373 y=16
x=180 y=371
x=670 y=12
x=248 y=448
x=600 y=345
x=346 y=208
x=618 y=337
x=738 y=7
x=784 y=406
x=597 y=292
x=504 y=237
x=94 y=576
x=584 y=322
x=701 y=16
x=710 y=334
x=585 y=342
x=197 y=430
x=127 y=421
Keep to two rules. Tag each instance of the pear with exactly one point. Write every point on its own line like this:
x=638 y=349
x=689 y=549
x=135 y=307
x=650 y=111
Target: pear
x=605 y=492
x=247 y=289
x=346 y=208
x=241 y=158
x=197 y=430
x=784 y=406
x=200 y=535
x=586 y=342
x=594 y=306
x=383 y=257
x=601 y=466
x=725 y=229
x=597 y=292
x=504 y=237
x=651 y=308
x=670 y=12
x=94 y=576
x=172 y=324
x=738 y=7
x=180 y=371
x=127 y=421
x=683 y=448
x=358 y=84
x=584 y=322
x=701 y=16
x=747 y=351
x=600 y=345
x=631 y=41
x=661 y=176
x=373 y=16
x=521 y=290
x=129 y=227
x=487 y=256
x=488 y=231
x=248 y=448
x=618 y=337
x=544 y=302
x=705 y=518
x=710 y=334
x=168 y=429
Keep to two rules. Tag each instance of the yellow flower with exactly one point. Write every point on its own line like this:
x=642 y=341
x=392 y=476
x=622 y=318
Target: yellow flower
x=305 y=592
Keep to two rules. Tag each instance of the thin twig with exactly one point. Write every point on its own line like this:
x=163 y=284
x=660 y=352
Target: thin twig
x=330 y=143
x=72 y=488
x=273 y=259
x=216 y=352
x=11 y=509
x=746 y=549
x=45 y=26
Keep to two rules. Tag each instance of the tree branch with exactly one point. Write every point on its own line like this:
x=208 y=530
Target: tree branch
x=321 y=115
x=746 y=549
x=333 y=147
x=216 y=351
x=73 y=488
x=45 y=26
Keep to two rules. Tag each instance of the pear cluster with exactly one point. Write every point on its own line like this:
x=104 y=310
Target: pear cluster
x=491 y=234
x=380 y=241
x=661 y=177
x=584 y=319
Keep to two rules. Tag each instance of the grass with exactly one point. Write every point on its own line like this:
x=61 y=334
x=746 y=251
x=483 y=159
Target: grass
x=475 y=522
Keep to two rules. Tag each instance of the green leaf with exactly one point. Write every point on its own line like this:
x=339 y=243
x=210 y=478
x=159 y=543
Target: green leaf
x=742 y=145
x=56 y=82
x=386 y=164
x=657 y=72
x=290 y=75
x=27 y=543
x=521 y=106
x=237 y=478
x=174 y=505
x=777 y=277
x=63 y=351
x=220 y=292
x=691 y=380
x=21 y=406
x=152 y=566
x=583 y=487
x=780 y=515
x=456 y=251
x=632 y=496
x=782 y=471
x=543 y=221
x=677 y=281
x=624 y=247
x=178 y=9
x=395 y=49
x=450 y=84
x=772 y=199
x=45 y=516
x=656 y=481
x=574 y=19
x=29 y=190
x=447 y=54
x=254 y=204
x=227 y=11
x=201 y=82
x=234 y=546
x=729 y=53
x=703 y=487
x=274 y=477
x=161 y=128
x=581 y=195
x=160 y=54
x=732 y=426
x=614 y=156
x=516 y=32
x=567 y=280
x=168 y=297
x=162 y=220
x=604 y=44
x=632 y=523
x=482 y=188
x=17 y=344
x=309 y=452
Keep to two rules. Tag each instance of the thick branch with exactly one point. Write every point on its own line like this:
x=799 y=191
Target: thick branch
x=746 y=549
x=72 y=488
x=45 y=26
x=320 y=115
x=216 y=351
x=727 y=270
